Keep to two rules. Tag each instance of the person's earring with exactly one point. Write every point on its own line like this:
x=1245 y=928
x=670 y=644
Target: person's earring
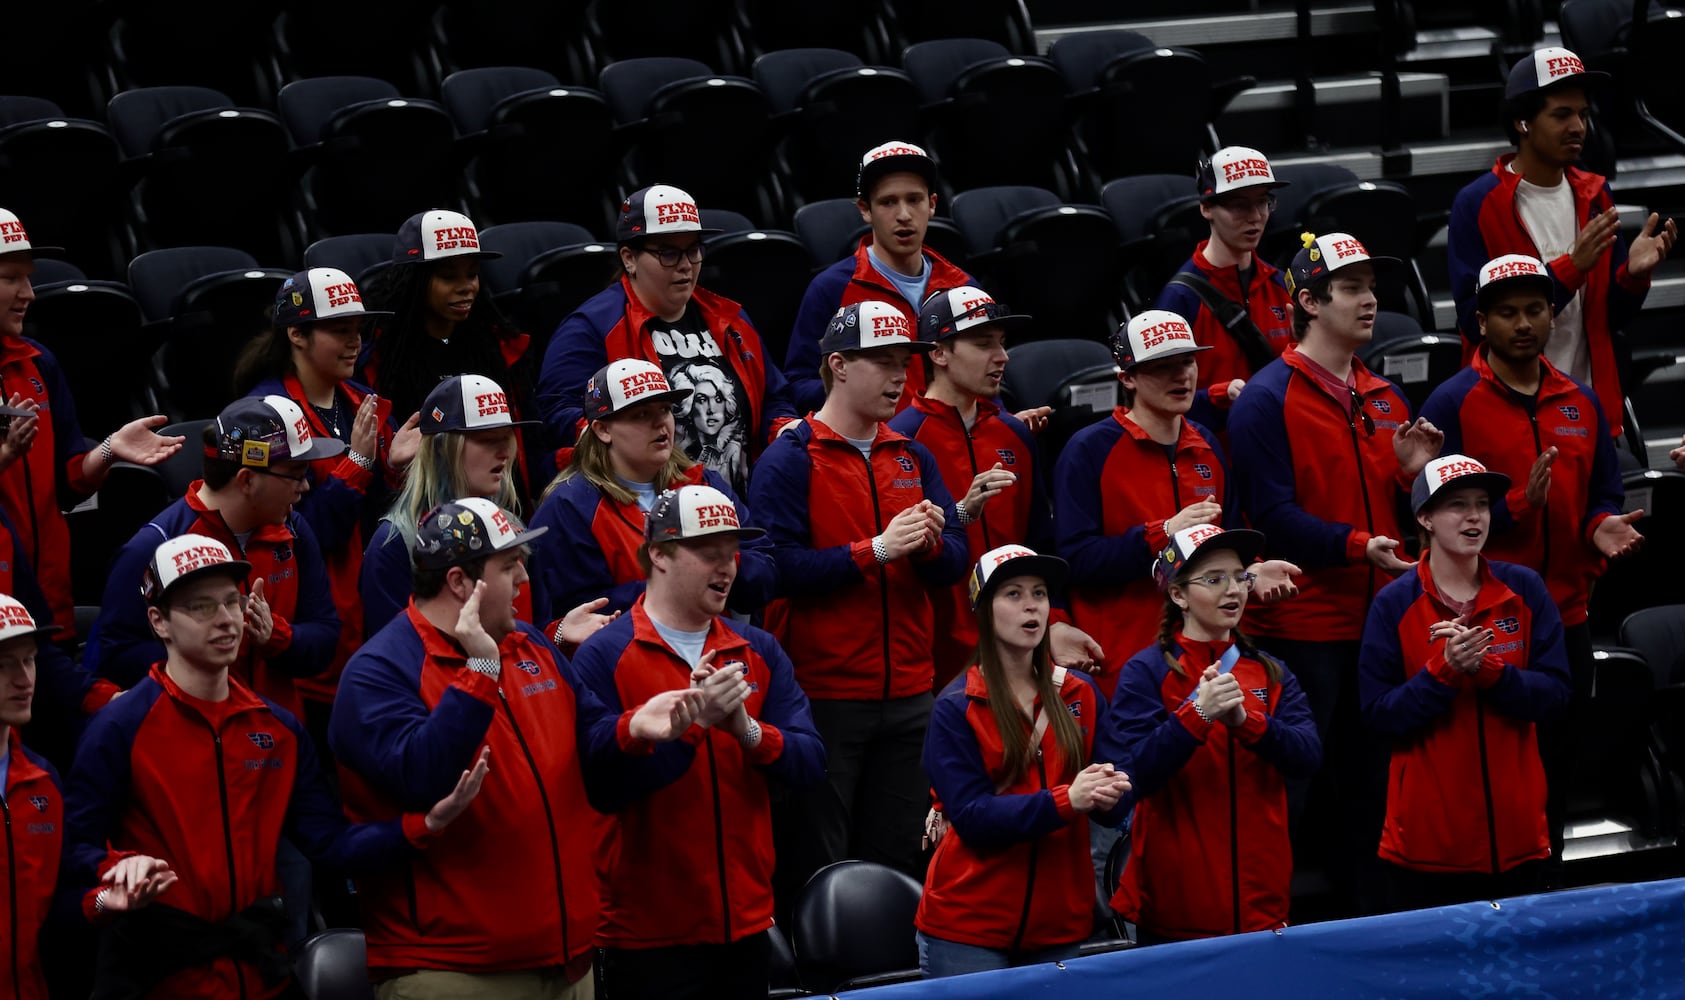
x=1523 y=128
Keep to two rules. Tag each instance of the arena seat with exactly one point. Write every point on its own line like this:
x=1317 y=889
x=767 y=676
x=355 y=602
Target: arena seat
x=670 y=109
x=832 y=229
x=1058 y=262
x=1644 y=579
x=371 y=155
x=854 y=927
x=533 y=149
x=783 y=980
x=333 y=965
x=546 y=271
x=357 y=254
x=59 y=175
x=829 y=109
x=203 y=42
x=764 y=270
x=1659 y=633
x=686 y=29
x=1415 y=361
x=207 y=172
x=94 y=329
x=1304 y=180
x=856 y=26
x=390 y=40
x=994 y=118
x=1005 y=22
x=545 y=36
x=1077 y=378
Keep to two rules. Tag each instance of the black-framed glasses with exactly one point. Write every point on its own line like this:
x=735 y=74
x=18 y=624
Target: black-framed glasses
x=205 y=609
x=669 y=256
x=298 y=480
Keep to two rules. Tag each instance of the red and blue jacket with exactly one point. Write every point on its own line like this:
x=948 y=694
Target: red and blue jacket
x=1267 y=302
x=343 y=501
x=1013 y=871
x=697 y=819
x=285 y=557
x=33 y=802
x=850 y=280
x=64 y=689
x=1506 y=432
x=861 y=631
x=1465 y=789
x=211 y=787
x=46 y=480
x=510 y=884
x=1020 y=514
x=614 y=324
x=386 y=581
x=1485 y=224
x=1319 y=484
x=1210 y=853
x=591 y=550
x=1114 y=487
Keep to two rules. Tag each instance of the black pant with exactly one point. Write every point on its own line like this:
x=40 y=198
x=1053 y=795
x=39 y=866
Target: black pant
x=1414 y=890
x=688 y=971
x=1557 y=738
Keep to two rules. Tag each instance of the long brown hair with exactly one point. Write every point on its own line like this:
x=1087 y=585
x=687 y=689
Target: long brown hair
x=1013 y=726
x=591 y=460
x=1172 y=620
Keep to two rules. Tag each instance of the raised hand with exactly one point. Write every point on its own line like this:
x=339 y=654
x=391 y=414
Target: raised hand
x=470 y=632
x=1597 y=236
x=666 y=716
x=1538 y=480
x=260 y=618
x=134 y=882
x=365 y=428
x=447 y=809
x=135 y=441
x=583 y=622
x=1383 y=553
x=1615 y=536
x=1275 y=580
x=1198 y=512
x=987 y=485
x=1651 y=246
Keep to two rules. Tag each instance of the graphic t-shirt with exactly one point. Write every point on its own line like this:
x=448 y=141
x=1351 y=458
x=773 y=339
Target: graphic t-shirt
x=713 y=424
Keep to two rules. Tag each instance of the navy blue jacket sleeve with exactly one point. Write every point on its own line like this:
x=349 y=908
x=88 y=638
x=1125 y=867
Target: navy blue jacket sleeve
x=1541 y=692
x=1039 y=535
x=954 y=561
x=1607 y=492
x=1290 y=741
x=122 y=646
x=779 y=498
x=802 y=762
x=1392 y=705
x=573 y=355
x=385 y=582
x=382 y=730
x=1141 y=738
x=569 y=560
x=67 y=431
x=97 y=793
x=983 y=819
x=1096 y=558
x=1263 y=468
x=1466 y=253
x=317 y=824
x=60 y=682
x=615 y=780
x=315 y=621
x=801 y=357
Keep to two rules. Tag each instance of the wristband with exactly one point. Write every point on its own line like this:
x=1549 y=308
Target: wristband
x=99 y=900
x=880 y=551
x=486 y=665
x=363 y=461
x=1201 y=713
x=105 y=450
x=964 y=515
x=752 y=737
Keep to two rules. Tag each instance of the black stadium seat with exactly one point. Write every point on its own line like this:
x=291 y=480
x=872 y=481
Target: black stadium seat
x=59 y=175
x=977 y=94
x=1304 y=180
x=1058 y=262
x=534 y=149
x=856 y=26
x=854 y=927
x=1158 y=219
x=672 y=109
x=205 y=42
x=782 y=979
x=1415 y=361
x=207 y=172
x=333 y=965
x=372 y=154
x=181 y=469
x=387 y=39
x=1005 y=22
x=94 y=328
x=1646 y=578
x=1077 y=378
x=685 y=29
x=357 y=254
x=207 y=303
x=546 y=271
x=831 y=230
x=764 y=270
x=1383 y=215
x=1659 y=633
x=830 y=109
x=548 y=36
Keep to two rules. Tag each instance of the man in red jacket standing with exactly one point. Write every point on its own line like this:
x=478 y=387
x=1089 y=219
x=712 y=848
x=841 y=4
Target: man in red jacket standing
x=698 y=821
x=1537 y=202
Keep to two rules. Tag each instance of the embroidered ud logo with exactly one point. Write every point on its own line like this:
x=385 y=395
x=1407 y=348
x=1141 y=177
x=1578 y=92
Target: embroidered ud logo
x=40 y=802
x=1510 y=625
x=37 y=384
x=1007 y=456
x=1076 y=709
x=529 y=666
x=1262 y=694
x=1382 y=405
x=1203 y=470
x=1280 y=312
x=283 y=553
x=904 y=462
x=1571 y=412
x=263 y=741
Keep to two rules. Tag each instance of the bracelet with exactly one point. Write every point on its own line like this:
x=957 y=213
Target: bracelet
x=752 y=738
x=99 y=900
x=363 y=461
x=964 y=515
x=556 y=636
x=105 y=450
x=1201 y=713
x=880 y=551
x=486 y=665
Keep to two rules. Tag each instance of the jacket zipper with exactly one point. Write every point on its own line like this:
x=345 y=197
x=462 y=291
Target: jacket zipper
x=971 y=453
x=1234 y=836
x=12 y=884
x=1544 y=508
x=1363 y=484
x=883 y=572
x=1486 y=783
x=1035 y=848
x=1175 y=482
x=549 y=817
x=227 y=842
x=719 y=840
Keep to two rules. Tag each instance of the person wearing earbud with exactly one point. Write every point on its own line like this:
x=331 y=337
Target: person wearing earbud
x=1538 y=202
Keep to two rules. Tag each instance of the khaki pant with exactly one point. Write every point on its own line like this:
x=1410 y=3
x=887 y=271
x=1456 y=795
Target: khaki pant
x=437 y=984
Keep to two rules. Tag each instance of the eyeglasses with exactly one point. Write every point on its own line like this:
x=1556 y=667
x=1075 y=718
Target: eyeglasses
x=298 y=480
x=1220 y=581
x=669 y=256
x=205 y=608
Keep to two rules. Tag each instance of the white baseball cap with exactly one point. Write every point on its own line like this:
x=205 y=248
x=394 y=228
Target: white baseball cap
x=16 y=622
x=467 y=403
x=436 y=235
x=868 y=325
x=258 y=432
x=318 y=294
x=1508 y=271
x=1151 y=335
x=1235 y=168
x=694 y=512
x=461 y=531
x=656 y=210
x=1189 y=544
x=1008 y=561
x=15 y=239
x=185 y=557
x=891 y=158
x=627 y=382
x=1548 y=67
x=1453 y=472
x=1321 y=255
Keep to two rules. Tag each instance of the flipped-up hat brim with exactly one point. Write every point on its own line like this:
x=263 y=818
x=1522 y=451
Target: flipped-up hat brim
x=1052 y=569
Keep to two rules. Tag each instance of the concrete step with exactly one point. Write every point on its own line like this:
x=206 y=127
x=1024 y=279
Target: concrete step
x=1265 y=117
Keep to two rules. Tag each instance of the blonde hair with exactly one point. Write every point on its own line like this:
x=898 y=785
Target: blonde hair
x=592 y=460
x=435 y=477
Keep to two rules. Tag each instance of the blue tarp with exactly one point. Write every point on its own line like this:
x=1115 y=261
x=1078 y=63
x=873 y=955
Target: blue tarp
x=1622 y=941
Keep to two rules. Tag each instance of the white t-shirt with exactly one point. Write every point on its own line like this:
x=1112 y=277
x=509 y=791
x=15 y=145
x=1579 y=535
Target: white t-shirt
x=1548 y=214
